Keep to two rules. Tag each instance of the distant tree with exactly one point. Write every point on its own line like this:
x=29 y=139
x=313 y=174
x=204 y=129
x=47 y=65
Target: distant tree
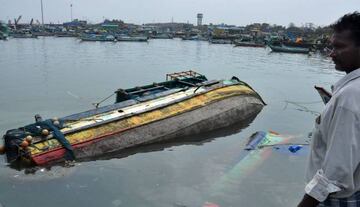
x=265 y=27
x=291 y=25
x=310 y=25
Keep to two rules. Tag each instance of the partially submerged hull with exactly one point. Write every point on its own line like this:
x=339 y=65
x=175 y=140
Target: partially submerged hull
x=192 y=110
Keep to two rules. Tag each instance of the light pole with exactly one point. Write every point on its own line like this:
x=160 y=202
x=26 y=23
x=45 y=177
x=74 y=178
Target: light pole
x=42 y=13
x=71 y=12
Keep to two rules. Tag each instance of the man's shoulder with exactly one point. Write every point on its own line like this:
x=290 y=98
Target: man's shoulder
x=350 y=89
x=349 y=96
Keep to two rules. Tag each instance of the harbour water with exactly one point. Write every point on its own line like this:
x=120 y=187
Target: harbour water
x=61 y=76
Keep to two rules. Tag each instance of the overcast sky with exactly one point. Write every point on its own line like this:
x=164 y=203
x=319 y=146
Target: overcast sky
x=237 y=12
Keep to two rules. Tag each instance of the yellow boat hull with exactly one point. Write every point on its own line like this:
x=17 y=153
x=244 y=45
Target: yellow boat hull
x=207 y=111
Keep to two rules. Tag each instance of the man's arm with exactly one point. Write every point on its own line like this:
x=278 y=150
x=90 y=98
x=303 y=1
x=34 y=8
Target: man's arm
x=308 y=201
x=341 y=158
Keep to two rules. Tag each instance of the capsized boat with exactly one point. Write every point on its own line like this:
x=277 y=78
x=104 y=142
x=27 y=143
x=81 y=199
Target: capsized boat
x=287 y=49
x=186 y=103
x=193 y=139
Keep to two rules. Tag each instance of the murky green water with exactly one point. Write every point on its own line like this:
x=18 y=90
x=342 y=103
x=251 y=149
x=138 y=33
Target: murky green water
x=57 y=77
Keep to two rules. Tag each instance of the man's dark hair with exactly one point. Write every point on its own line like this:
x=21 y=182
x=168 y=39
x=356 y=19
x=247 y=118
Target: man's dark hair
x=349 y=22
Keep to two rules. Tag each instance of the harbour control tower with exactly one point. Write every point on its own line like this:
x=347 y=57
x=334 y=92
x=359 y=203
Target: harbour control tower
x=199 y=19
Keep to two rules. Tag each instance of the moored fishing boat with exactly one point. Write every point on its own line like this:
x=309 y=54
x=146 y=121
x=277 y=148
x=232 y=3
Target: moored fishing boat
x=126 y=38
x=248 y=44
x=298 y=44
x=187 y=103
x=195 y=38
x=287 y=49
x=66 y=34
x=100 y=38
x=2 y=36
x=24 y=34
x=220 y=41
x=162 y=36
x=4 y=31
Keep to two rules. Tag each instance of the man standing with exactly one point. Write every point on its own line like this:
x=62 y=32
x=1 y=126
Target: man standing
x=333 y=172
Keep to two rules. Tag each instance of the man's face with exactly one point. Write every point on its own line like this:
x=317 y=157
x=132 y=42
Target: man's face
x=346 y=53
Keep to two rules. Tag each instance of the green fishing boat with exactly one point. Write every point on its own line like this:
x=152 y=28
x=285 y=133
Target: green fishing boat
x=2 y=36
x=4 y=31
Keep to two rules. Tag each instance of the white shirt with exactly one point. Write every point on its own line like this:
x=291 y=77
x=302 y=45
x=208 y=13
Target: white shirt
x=333 y=165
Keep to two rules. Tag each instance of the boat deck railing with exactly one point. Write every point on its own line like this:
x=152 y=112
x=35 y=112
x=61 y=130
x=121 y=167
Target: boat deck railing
x=183 y=75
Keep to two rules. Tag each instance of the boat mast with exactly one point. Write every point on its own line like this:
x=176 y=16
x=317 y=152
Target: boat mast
x=42 y=13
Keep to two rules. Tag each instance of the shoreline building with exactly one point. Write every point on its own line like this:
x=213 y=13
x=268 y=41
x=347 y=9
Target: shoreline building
x=199 y=19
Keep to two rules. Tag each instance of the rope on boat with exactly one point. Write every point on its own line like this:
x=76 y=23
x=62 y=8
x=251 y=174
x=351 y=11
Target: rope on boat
x=21 y=154
x=97 y=104
x=303 y=108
